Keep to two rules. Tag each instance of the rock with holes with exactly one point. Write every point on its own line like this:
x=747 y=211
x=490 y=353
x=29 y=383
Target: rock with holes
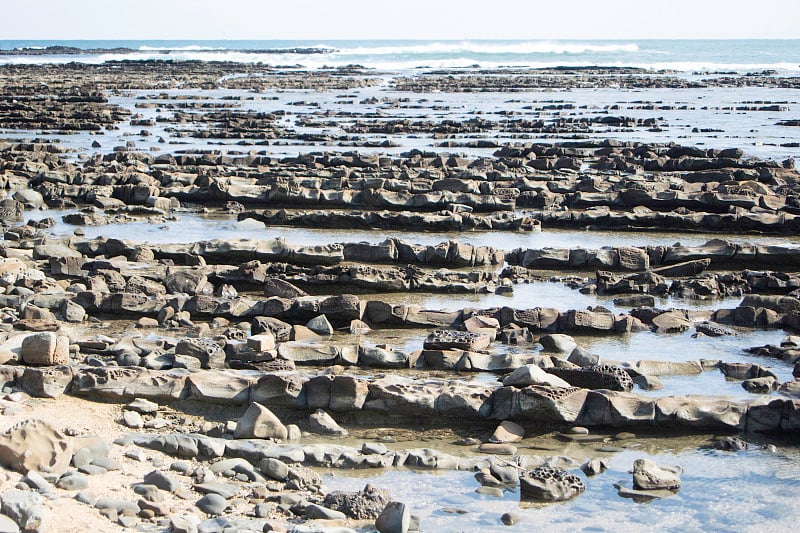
x=456 y=340
x=366 y=504
x=647 y=475
x=713 y=330
x=35 y=445
x=549 y=484
x=608 y=377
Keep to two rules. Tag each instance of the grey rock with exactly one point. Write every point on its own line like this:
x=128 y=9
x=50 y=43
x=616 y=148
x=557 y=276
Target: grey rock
x=558 y=342
x=25 y=509
x=35 y=481
x=321 y=422
x=224 y=490
x=121 y=507
x=647 y=475
x=315 y=512
x=86 y=497
x=274 y=468
x=320 y=325
x=72 y=481
x=581 y=357
x=142 y=405
x=150 y=493
x=395 y=518
x=212 y=504
x=162 y=481
x=132 y=419
x=595 y=466
x=260 y=423
x=184 y=524
x=509 y=519
x=533 y=375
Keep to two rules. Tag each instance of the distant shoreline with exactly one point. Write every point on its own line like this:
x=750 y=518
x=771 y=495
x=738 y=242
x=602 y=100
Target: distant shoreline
x=73 y=50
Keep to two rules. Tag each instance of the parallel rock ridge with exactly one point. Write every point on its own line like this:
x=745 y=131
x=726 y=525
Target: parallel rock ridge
x=447 y=398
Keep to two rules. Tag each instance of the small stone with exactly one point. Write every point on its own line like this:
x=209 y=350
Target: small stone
x=595 y=466
x=157 y=423
x=262 y=510
x=320 y=325
x=274 y=469
x=35 y=481
x=293 y=432
x=321 y=422
x=157 y=508
x=258 y=422
x=374 y=448
x=183 y=467
x=86 y=497
x=92 y=470
x=490 y=491
x=318 y=512
x=509 y=519
x=225 y=490
x=137 y=454
x=486 y=479
x=212 y=504
x=162 y=481
x=577 y=430
x=184 y=524
x=507 y=431
x=150 y=493
x=647 y=475
x=72 y=481
x=497 y=448
x=147 y=322
x=132 y=419
x=142 y=405
x=127 y=521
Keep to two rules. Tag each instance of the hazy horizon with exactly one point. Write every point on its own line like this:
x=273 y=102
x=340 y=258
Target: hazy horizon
x=446 y=20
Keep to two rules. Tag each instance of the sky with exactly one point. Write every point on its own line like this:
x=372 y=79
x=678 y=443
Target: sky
x=399 y=19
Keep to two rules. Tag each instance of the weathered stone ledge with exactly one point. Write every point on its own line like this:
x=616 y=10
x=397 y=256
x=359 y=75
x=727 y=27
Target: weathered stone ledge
x=391 y=396
x=718 y=253
x=454 y=219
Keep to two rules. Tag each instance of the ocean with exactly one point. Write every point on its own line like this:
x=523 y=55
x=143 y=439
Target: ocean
x=685 y=56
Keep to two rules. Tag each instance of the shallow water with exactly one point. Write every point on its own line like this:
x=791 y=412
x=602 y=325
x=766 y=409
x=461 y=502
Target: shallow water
x=544 y=294
x=711 y=497
x=195 y=227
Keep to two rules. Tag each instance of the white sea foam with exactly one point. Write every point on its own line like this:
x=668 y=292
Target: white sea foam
x=478 y=47
x=195 y=48
x=412 y=56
